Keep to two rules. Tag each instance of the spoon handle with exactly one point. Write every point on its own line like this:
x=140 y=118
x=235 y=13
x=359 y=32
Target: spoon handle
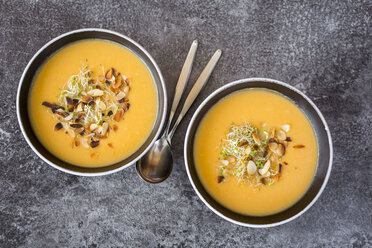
x=182 y=81
x=198 y=86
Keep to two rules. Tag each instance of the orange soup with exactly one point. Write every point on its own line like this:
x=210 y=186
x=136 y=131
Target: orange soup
x=93 y=103
x=255 y=152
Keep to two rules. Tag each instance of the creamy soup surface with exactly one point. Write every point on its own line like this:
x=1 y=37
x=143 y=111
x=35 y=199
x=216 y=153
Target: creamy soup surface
x=98 y=55
x=258 y=107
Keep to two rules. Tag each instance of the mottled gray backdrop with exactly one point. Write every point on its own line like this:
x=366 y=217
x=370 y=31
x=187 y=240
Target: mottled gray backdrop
x=320 y=47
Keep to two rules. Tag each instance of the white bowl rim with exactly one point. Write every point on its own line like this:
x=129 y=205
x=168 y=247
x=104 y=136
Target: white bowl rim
x=164 y=110
x=258 y=79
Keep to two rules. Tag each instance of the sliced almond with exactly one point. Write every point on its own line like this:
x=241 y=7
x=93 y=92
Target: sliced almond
x=69 y=117
x=109 y=74
x=117 y=83
x=281 y=135
x=119 y=115
x=231 y=159
x=274 y=157
x=93 y=127
x=101 y=78
x=126 y=90
x=104 y=128
x=79 y=107
x=120 y=95
x=101 y=105
x=267 y=174
x=224 y=162
x=256 y=139
x=280 y=150
x=71 y=132
x=273 y=146
x=272 y=133
x=65 y=125
x=247 y=151
x=251 y=168
x=90 y=135
x=115 y=90
x=95 y=92
x=99 y=130
x=266 y=168
x=86 y=99
x=84 y=142
x=286 y=127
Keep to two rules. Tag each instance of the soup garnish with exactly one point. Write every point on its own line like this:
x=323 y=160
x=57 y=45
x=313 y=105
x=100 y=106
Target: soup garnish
x=253 y=155
x=89 y=104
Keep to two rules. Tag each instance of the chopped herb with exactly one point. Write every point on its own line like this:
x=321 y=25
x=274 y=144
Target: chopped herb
x=224 y=153
x=259 y=164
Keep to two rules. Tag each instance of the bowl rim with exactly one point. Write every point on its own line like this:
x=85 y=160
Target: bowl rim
x=163 y=111
x=258 y=79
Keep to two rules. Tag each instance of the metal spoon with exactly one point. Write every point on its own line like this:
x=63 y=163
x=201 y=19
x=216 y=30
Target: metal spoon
x=157 y=164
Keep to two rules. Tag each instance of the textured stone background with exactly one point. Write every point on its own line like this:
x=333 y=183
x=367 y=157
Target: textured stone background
x=320 y=47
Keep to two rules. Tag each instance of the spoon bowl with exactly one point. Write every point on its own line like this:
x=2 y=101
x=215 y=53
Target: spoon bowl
x=157 y=164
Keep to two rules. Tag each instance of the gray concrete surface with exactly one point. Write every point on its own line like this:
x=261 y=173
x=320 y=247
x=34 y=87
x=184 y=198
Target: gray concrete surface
x=320 y=47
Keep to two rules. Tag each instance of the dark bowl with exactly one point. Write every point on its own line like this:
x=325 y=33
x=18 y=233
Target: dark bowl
x=43 y=54
x=325 y=153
